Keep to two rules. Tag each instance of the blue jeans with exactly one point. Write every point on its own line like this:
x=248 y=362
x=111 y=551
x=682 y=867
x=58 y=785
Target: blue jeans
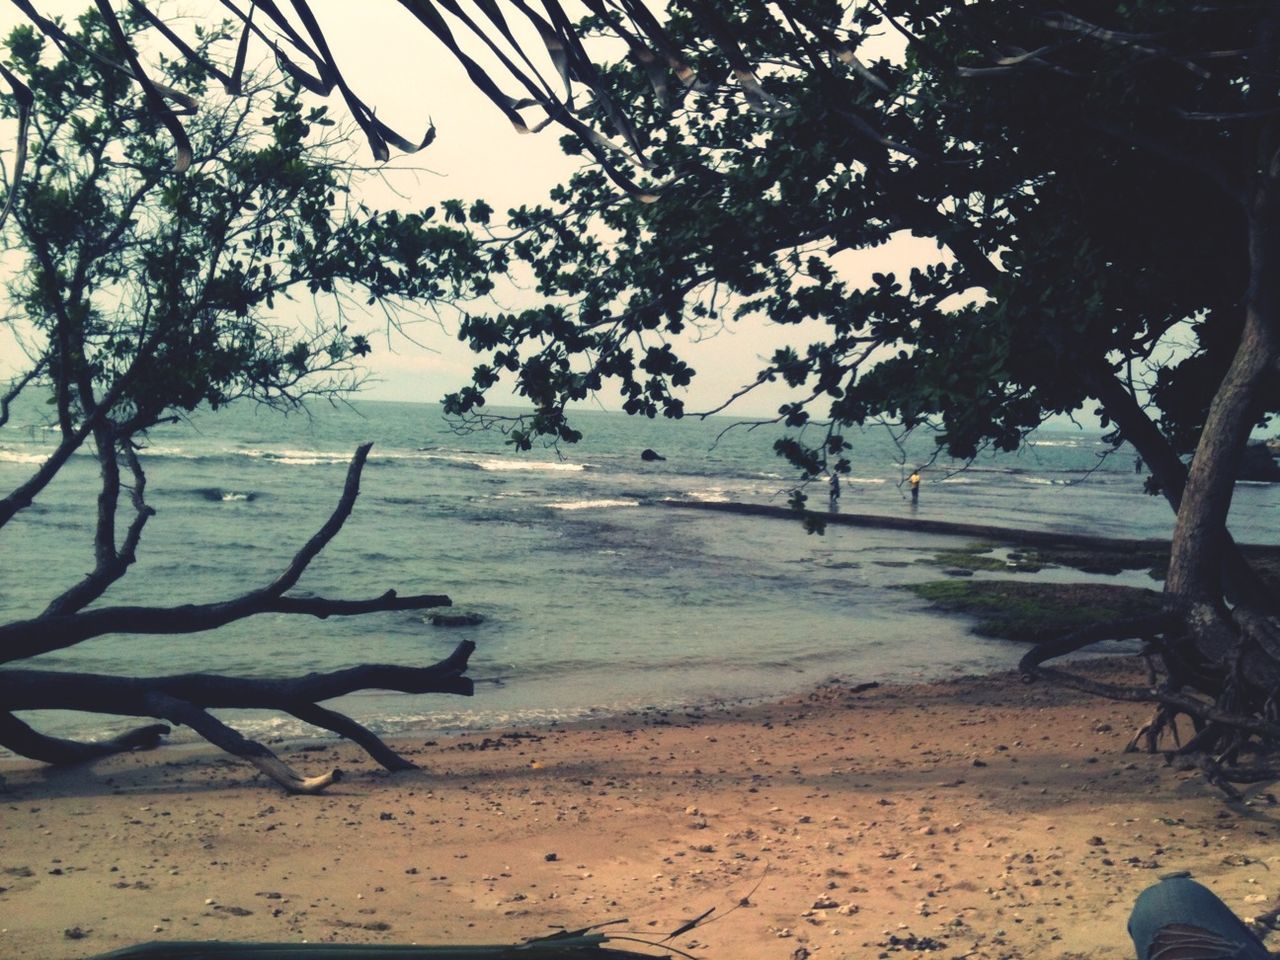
x=1178 y=919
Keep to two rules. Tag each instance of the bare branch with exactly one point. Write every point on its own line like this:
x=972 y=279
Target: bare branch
x=187 y=698
x=221 y=735
x=350 y=491
x=17 y=386
x=1131 y=628
x=20 y=738
x=29 y=638
x=55 y=631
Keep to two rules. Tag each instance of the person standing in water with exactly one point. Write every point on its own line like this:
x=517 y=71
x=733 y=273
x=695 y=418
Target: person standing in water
x=835 y=492
x=914 y=480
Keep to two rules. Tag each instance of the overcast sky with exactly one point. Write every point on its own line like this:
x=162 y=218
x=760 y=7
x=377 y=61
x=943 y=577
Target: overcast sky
x=394 y=64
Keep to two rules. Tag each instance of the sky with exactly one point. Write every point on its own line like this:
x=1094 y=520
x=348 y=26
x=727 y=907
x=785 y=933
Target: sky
x=395 y=65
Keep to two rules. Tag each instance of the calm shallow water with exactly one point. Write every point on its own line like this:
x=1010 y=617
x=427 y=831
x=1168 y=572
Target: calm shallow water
x=596 y=597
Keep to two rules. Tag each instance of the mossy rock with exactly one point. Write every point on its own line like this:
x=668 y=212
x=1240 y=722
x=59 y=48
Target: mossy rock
x=1036 y=612
x=979 y=556
x=1027 y=559
x=458 y=619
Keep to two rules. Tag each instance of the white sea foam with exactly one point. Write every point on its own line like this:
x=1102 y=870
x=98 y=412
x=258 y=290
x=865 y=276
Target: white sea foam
x=713 y=495
x=592 y=504
x=19 y=456
x=551 y=466
x=497 y=465
x=297 y=458
x=175 y=453
x=230 y=496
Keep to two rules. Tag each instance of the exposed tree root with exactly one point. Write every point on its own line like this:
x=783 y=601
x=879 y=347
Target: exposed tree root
x=1225 y=697
x=1164 y=718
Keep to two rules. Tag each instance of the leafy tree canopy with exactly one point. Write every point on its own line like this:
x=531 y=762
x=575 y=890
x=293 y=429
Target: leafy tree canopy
x=162 y=292
x=1084 y=196
x=141 y=294
x=1102 y=184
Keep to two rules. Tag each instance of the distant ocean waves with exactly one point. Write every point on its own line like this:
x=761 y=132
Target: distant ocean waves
x=32 y=456
x=596 y=595
x=301 y=457
x=218 y=495
x=247 y=455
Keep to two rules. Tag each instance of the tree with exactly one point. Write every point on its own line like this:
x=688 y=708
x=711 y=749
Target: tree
x=1099 y=179
x=144 y=295
x=1102 y=184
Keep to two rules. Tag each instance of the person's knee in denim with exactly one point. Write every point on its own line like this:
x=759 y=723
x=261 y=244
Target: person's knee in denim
x=1179 y=919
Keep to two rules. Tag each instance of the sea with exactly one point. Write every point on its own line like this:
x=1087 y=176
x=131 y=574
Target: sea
x=596 y=593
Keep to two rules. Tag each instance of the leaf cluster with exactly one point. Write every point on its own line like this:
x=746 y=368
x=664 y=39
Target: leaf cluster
x=169 y=291
x=1086 y=221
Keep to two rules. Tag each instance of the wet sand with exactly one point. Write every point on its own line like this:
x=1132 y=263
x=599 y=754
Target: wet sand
x=977 y=818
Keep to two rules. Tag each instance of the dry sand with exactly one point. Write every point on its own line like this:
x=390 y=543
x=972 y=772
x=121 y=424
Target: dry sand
x=979 y=818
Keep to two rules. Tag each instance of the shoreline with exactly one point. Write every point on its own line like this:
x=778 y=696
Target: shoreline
x=981 y=815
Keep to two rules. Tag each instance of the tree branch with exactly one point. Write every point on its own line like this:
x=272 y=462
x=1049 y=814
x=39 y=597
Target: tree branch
x=29 y=638
x=221 y=735
x=22 y=496
x=16 y=387
x=48 y=632
x=187 y=698
x=113 y=564
x=350 y=490
x=21 y=739
x=344 y=726
x=1133 y=627
x=104 y=693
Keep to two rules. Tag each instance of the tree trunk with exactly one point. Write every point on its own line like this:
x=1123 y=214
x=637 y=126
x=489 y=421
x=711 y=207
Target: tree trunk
x=1194 y=585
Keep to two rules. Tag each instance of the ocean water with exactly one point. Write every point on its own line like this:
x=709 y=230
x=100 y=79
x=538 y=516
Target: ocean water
x=596 y=596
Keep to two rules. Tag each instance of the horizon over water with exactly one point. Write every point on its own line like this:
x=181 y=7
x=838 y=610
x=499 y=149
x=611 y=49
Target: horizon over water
x=596 y=598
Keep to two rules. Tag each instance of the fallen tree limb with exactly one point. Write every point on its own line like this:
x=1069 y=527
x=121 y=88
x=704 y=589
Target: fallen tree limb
x=187 y=698
x=22 y=739
x=28 y=638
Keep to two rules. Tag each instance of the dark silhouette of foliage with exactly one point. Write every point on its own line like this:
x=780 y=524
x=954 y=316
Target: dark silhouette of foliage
x=145 y=294
x=1100 y=183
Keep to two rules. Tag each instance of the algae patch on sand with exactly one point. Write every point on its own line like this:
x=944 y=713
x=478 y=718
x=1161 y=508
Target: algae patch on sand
x=1036 y=612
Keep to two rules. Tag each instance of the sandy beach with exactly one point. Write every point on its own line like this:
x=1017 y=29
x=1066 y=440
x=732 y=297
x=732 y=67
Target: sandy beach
x=977 y=818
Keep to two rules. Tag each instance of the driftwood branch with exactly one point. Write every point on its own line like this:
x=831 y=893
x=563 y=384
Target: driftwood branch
x=28 y=638
x=321 y=538
x=221 y=735
x=187 y=699
x=22 y=739
x=112 y=562
x=55 y=630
